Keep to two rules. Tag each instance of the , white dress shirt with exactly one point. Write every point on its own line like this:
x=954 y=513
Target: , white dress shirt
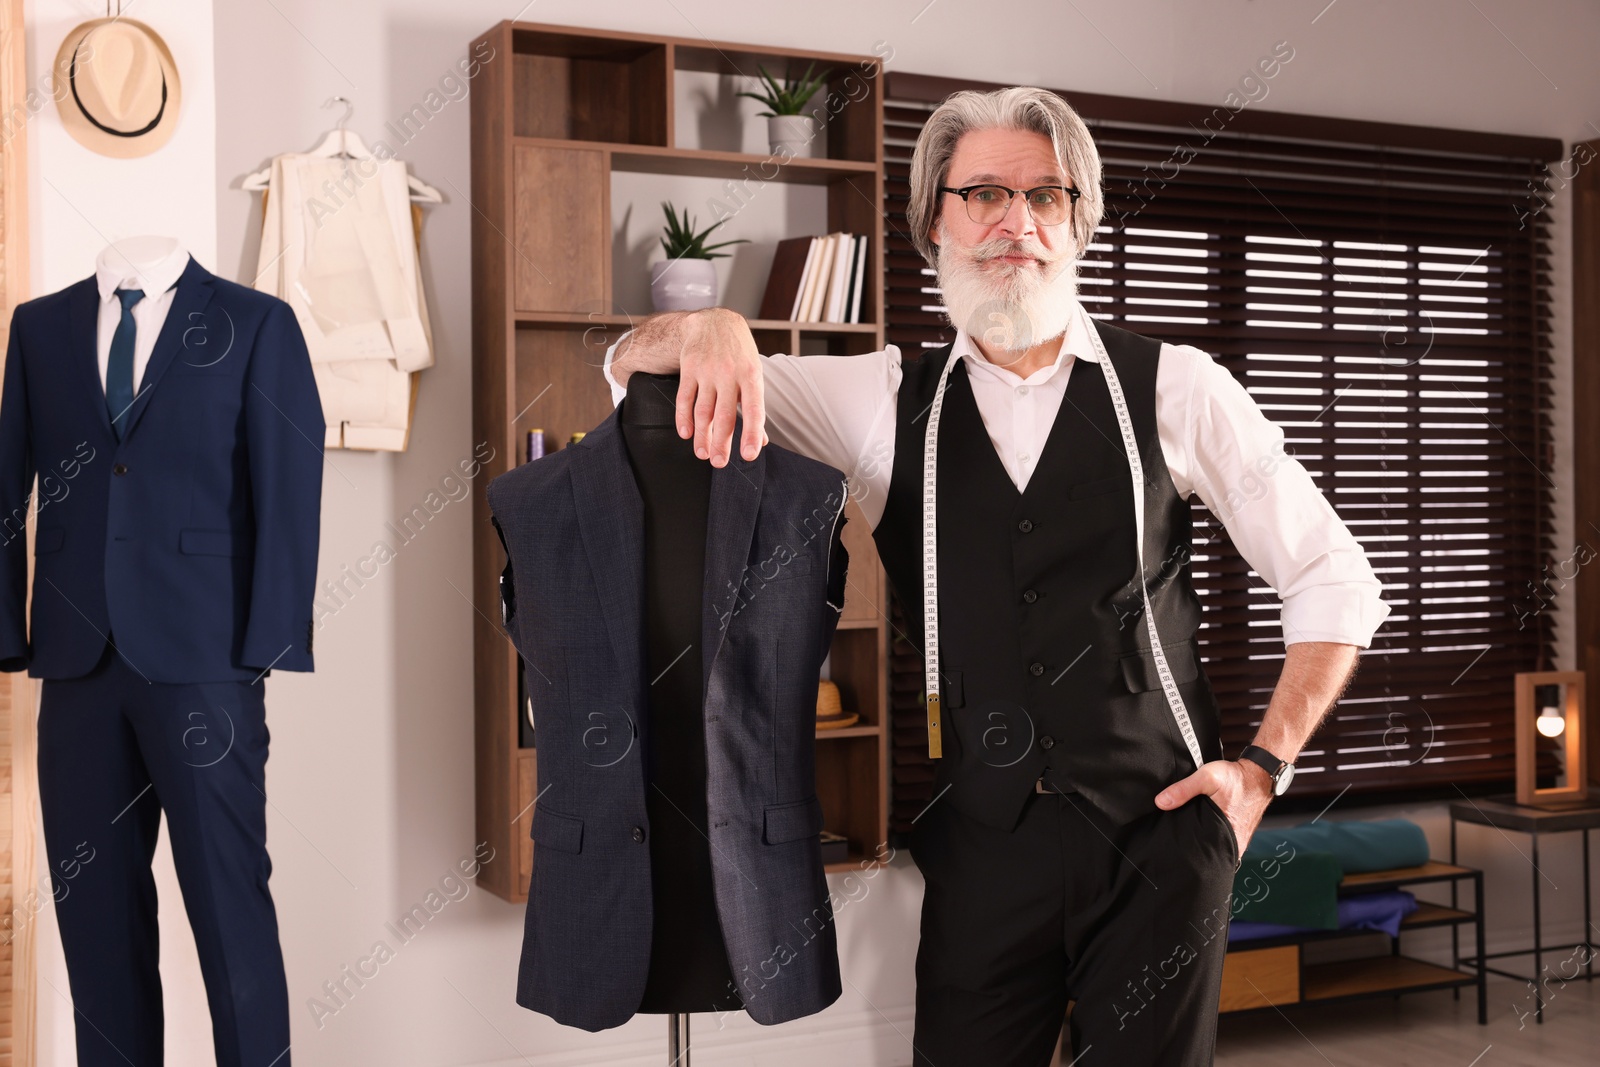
x=1218 y=445
x=113 y=271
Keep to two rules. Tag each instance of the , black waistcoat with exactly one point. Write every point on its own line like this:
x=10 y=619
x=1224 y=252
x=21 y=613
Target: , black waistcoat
x=1045 y=656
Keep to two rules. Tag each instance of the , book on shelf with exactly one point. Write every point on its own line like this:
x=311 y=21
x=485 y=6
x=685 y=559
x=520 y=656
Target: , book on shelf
x=817 y=279
x=847 y=304
x=808 y=284
x=839 y=278
x=825 y=278
x=859 y=279
x=812 y=252
x=789 y=264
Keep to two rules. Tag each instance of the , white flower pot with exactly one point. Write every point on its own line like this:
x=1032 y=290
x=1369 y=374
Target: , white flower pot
x=791 y=135
x=683 y=284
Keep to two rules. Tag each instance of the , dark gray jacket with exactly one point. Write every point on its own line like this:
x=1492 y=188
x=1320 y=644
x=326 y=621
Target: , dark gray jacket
x=774 y=584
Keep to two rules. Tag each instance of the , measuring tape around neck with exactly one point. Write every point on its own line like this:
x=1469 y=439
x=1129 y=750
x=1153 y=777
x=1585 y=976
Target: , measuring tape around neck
x=930 y=548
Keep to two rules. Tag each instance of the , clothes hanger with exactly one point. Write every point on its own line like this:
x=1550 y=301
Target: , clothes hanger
x=340 y=143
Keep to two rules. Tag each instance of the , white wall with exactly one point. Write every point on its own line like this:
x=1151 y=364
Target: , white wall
x=371 y=774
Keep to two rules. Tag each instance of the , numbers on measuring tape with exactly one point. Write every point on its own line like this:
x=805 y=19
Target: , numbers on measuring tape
x=930 y=563
x=930 y=549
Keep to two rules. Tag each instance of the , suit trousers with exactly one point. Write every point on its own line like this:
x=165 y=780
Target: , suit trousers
x=115 y=751
x=1129 y=922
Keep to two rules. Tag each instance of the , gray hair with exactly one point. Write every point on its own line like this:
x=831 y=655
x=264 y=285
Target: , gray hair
x=1014 y=108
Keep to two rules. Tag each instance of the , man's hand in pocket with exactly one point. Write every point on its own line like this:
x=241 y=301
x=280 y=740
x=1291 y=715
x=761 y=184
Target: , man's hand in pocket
x=1241 y=789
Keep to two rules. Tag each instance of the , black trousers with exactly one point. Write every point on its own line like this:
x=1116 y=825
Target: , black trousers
x=115 y=751
x=1129 y=922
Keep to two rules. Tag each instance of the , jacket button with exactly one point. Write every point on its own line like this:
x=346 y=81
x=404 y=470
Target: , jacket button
x=1036 y=669
x=1047 y=741
x=120 y=468
x=1025 y=525
x=638 y=833
x=1029 y=597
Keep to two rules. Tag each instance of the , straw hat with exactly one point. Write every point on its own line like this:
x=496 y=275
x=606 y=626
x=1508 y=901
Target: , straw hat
x=122 y=87
x=830 y=710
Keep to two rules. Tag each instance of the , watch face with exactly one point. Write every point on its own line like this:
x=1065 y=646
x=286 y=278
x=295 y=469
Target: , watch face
x=1281 y=786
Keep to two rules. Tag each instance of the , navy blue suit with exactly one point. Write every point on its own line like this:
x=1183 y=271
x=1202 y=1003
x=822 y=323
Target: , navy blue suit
x=173 y=569
x=573 y=526
x=194 y=540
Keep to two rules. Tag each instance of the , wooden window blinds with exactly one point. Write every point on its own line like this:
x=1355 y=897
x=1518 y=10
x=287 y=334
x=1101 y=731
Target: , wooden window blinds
x=1382 y=292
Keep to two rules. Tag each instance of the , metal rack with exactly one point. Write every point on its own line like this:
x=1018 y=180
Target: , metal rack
x=1271 y=972
x=1503 y=813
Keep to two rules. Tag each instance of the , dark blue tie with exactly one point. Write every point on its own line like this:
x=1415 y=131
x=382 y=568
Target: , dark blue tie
x=119 y=368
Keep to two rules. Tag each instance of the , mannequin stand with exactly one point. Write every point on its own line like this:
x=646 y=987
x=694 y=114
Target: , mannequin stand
x=677 y=1038
x=688 y=961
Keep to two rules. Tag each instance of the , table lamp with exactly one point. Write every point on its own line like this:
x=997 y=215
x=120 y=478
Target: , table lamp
x=1551 y=704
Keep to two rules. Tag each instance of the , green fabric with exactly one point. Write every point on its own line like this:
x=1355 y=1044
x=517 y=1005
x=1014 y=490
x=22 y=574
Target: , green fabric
x=1289 y=885
x=1291 y=876
x=1359 y=845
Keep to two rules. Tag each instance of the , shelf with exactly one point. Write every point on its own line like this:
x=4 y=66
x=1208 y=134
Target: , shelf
x=711 y=163
x=1373 y=881
x=557 y=111
x=556 y=319
x=584 y=86
x=708 y=163
x=848 y=731
x=1272 y=972
x=1435 y=915
x=1378 y=975
x=598 y=331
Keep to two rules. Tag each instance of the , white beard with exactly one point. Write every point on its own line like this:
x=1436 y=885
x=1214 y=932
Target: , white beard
x=1007 y=307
